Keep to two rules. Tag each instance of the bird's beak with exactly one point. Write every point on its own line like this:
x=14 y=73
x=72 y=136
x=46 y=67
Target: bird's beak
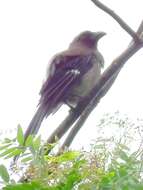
x=99 y=35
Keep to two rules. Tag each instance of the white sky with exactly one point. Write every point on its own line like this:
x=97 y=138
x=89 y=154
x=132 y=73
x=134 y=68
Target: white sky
x=32 y=31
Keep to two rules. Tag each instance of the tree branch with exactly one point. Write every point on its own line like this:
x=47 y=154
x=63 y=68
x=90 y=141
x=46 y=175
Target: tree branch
x=140 y=30
x=103 y=85
x=64 y=126
x=101 y=88
x=116 y=17
x=85 y=107
x=85 y=115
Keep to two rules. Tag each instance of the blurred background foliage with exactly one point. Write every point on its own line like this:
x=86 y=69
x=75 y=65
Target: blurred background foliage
x=113 y=162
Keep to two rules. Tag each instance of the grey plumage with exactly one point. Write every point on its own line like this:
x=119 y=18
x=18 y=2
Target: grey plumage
x=72 y=75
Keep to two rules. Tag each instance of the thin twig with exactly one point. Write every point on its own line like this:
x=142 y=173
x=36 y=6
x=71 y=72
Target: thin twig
x=140 y=30
x=116 y=17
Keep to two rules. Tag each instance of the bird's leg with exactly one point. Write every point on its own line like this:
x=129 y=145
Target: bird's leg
x=81 y=103
x=70 y=106
x=72 y=101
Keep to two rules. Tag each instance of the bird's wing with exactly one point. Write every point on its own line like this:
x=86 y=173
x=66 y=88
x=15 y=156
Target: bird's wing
x=65 y=71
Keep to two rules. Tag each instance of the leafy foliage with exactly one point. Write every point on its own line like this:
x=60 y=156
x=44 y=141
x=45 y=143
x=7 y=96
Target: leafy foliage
x=4 y=173
x=110 y=164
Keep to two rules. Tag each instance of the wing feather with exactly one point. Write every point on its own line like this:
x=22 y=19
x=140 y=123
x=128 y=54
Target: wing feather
x=68 y=70
x=53 y=95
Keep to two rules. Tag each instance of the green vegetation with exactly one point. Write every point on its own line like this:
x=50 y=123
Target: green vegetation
x=114 y=161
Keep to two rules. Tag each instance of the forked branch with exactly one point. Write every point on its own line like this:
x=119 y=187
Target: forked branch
x=83 y=109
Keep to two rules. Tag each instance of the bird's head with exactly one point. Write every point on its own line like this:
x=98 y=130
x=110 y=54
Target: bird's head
x=88 y=39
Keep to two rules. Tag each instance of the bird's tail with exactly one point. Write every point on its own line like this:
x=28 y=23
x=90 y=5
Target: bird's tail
x=35 y=123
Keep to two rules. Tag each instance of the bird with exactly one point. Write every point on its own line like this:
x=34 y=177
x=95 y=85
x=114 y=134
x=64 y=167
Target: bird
x=70 y=77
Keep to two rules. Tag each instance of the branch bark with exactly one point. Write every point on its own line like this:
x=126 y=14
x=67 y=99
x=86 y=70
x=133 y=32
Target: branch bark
x=63 y=127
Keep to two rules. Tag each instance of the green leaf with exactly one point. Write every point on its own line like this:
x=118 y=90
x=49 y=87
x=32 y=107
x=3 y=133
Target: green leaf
x=8 y=151
x=14 y=153
x=68 y=156
x=7 y=140
x=4 y=173
x=26 y=186
x=37 y=143
x=4 y=146
x=123 y=171
x=29 y=141
x=138 y=186
x=124 y=147
x=20 y=136
x=123 y=155
x=28 y=158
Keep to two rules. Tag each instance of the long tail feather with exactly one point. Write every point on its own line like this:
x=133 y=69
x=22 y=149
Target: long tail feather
x=35 y=123
x=34 y=126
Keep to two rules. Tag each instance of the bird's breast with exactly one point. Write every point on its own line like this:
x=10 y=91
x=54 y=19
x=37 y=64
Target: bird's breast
x=85 y=85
